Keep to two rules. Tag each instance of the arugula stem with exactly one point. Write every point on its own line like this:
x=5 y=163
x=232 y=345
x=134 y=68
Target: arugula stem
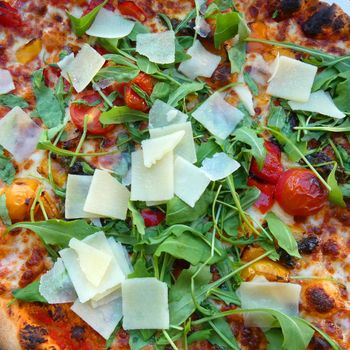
x=105 y=98
x=155 y=266
x=36 y=199
x=336 y=152
x=222 y=336
x=296 y=149
x=42 y=207
x=81 y=141
x=323 y=128
x=167 y=336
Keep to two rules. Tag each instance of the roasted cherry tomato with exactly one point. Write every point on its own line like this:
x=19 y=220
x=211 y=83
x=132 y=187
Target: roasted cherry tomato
x=152 y=217
x=267 y=196
x=78 y=111
x=300 y=193
x=130 y=9
x=51 y=76
x=9 y=16
x=272 y=168
x=132 y=99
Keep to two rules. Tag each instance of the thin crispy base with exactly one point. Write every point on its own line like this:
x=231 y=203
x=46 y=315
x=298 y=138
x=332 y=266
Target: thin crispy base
x=8 y=330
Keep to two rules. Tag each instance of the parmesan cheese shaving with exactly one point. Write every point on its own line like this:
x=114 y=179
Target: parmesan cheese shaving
x=83 y=67
x=156 y=148
x=6 y=82
x=157 y=47
x=55 y=285
x=190 y=181
x=106 y=196
x=202 y=62
x=319 y=102
x=218 y=116
x=152 y=184
x=145 y=304
x=186 y=147
x=19 y=134
x=102 y=319
x=245 y=95
x=291 y=79
x=64 y=63
x=110 y=25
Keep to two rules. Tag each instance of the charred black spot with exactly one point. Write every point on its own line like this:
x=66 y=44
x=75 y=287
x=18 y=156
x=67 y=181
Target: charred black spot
x=78 y=333
x=32 y=336
x=290 y=6
x=222 y=74
x=315 y=24
x=318 y=343
x=319 y=300
x=57 y=314
x=286 y=260
x=308 y=245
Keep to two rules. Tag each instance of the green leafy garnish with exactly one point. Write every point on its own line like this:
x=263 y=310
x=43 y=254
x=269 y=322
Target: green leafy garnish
x=4 y=214
x=335 y=194
x=11 y=101
x=30 y=293
x=122 y=114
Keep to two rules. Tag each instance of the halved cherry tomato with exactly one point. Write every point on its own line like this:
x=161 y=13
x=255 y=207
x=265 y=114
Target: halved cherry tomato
x=130 y=9
x=132 y=99
x=272 y=168
x=300 y=193
x=9 y=16
x=267 y=196
x=51 y=76
x=152 y=217
x=79 y=111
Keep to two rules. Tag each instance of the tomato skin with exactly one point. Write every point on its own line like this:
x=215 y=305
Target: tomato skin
x=78 y=112
x=9 y=16
x=272 y=168
x=132 y=99
x=300 y=193
x=267 y=196
x=130 y=9
x=152 y=217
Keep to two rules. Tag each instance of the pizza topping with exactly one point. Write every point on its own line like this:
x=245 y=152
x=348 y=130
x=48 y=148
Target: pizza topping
x=291 y=79
x=19 y=134
x=319 y=102
x=130 y=9
x=245 y=96
x=152 y=217
x=218 y=116
x=145 y=304
x=84 y=67
x=157 y=47
x=6 y=82
x=110 y=25
x=202 y=62
x=300 y=193
x=9 y=16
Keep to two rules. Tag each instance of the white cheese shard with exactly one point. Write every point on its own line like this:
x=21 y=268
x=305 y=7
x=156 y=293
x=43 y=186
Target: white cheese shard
x=96 y=302
x=64 y=63
x=283 y=297
x=201 y=64
x=155 y=149
x=190 y=181
x=157 y=47
x=19 y=134
x=152 y=184
x=77 y=189
x=145 y=304
x=6 y=82
x=202 y=27
x=291 y=79
x=55 y=285
x=93 y=262
x=110 y=25
x=106 y=196
x=245 y=95
x=121 y=255
x=219 y=166
x=102 y=319
x=319 y=102
x=84 y=67
x=186 y=147
x=161 y=114
x=111 y=280
x=218 y=116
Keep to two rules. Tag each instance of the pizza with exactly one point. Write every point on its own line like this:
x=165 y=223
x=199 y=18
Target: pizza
x=174 y=175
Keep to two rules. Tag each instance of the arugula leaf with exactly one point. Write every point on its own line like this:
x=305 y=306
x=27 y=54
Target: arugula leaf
x=82 y=24
x=335 y=194
x=201 y=335
x=120 y=60
x=120 y=74
x=224 y=335
x=146 y=66
x=137 y=219
x=207 y=150
x=226 y=27
x=324 y=79
x=4 y=214
x=251 y=83
x=138 y=29
x=122 y=114
x=179 y=212
x=237 y=57
x=111 y=45
x=140 y=269
x=7 y=170
x=182 y=91
x=275 y=339
x=136 y=341
x=277 y=117
x=249 y=137
x=161 y=91
x=30 y=293
x=283 y=235
x=11 y=101
x=341 y=94
x=58 y=232
x=49 y=108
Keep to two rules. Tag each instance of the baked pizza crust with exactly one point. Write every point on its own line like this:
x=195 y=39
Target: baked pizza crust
x=8 y=330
